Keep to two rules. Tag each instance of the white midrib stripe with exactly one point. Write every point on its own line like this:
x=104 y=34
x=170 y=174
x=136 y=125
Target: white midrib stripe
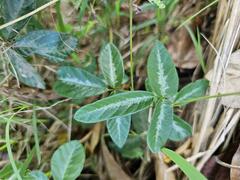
x=68 y=162
x=123 y=103
x=119 y=129
x=111 y=68
x=75 y=81
x=162 y=78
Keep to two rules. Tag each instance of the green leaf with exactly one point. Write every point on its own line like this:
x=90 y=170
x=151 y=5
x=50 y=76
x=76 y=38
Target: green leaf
x=180 y=129
x=51 y=45
x=115 y=106
x=162 y=74
x=191 y=172
x=11 y=10
x=140 y=121
x=24 y=71
x=36 y=175
x=160 y=126
x=111 y=64
x=77 y=83
x=67 y=161
x=147 y=85
x=133 y=148
x=193 y=90
x=119 y=129
x=27 y=162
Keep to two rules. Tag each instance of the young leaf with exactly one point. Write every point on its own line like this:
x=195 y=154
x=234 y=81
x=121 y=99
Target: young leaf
x=12 y=9
x=24 y=71
x=193 y=90
x=160 y=127
x=77 y=83
x=118 y=129
x=51 y=45
x=36 y=175
x=111 y=64
x=115 y=106
x=180 y=129
x=162 y=74
x=190 y=171
x=67 y=161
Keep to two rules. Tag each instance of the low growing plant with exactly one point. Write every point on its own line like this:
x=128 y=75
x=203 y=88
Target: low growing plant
x=162 y=95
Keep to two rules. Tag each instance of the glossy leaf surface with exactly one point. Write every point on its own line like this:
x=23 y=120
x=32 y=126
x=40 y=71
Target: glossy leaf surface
x=193 y=90
x=180 y=129
x=24 y=71
x=118 y=129
x=160 y=126
x=11 y=10
x=114 y=106
x=111 y=64
x=162 y=74
x=67 y=161
x=77 y=83
x=51 y=45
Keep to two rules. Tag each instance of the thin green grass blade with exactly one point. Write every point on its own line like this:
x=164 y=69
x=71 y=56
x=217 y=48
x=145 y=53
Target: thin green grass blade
x=191 y=172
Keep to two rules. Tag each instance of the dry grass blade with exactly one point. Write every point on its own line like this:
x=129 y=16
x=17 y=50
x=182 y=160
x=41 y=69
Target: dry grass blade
x=95 y=137
x=226 y=41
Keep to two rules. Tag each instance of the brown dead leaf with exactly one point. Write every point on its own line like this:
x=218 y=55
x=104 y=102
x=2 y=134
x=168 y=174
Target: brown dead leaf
x=230 y=81
x=235 y=172
x=96 y=133
x=115 y=172
x=182 y=50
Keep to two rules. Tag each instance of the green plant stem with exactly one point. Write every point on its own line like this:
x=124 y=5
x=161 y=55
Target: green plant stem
x=9 y=150
x=131 y=43
x=206 y=97
x=159 y=20
x=110 y=35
